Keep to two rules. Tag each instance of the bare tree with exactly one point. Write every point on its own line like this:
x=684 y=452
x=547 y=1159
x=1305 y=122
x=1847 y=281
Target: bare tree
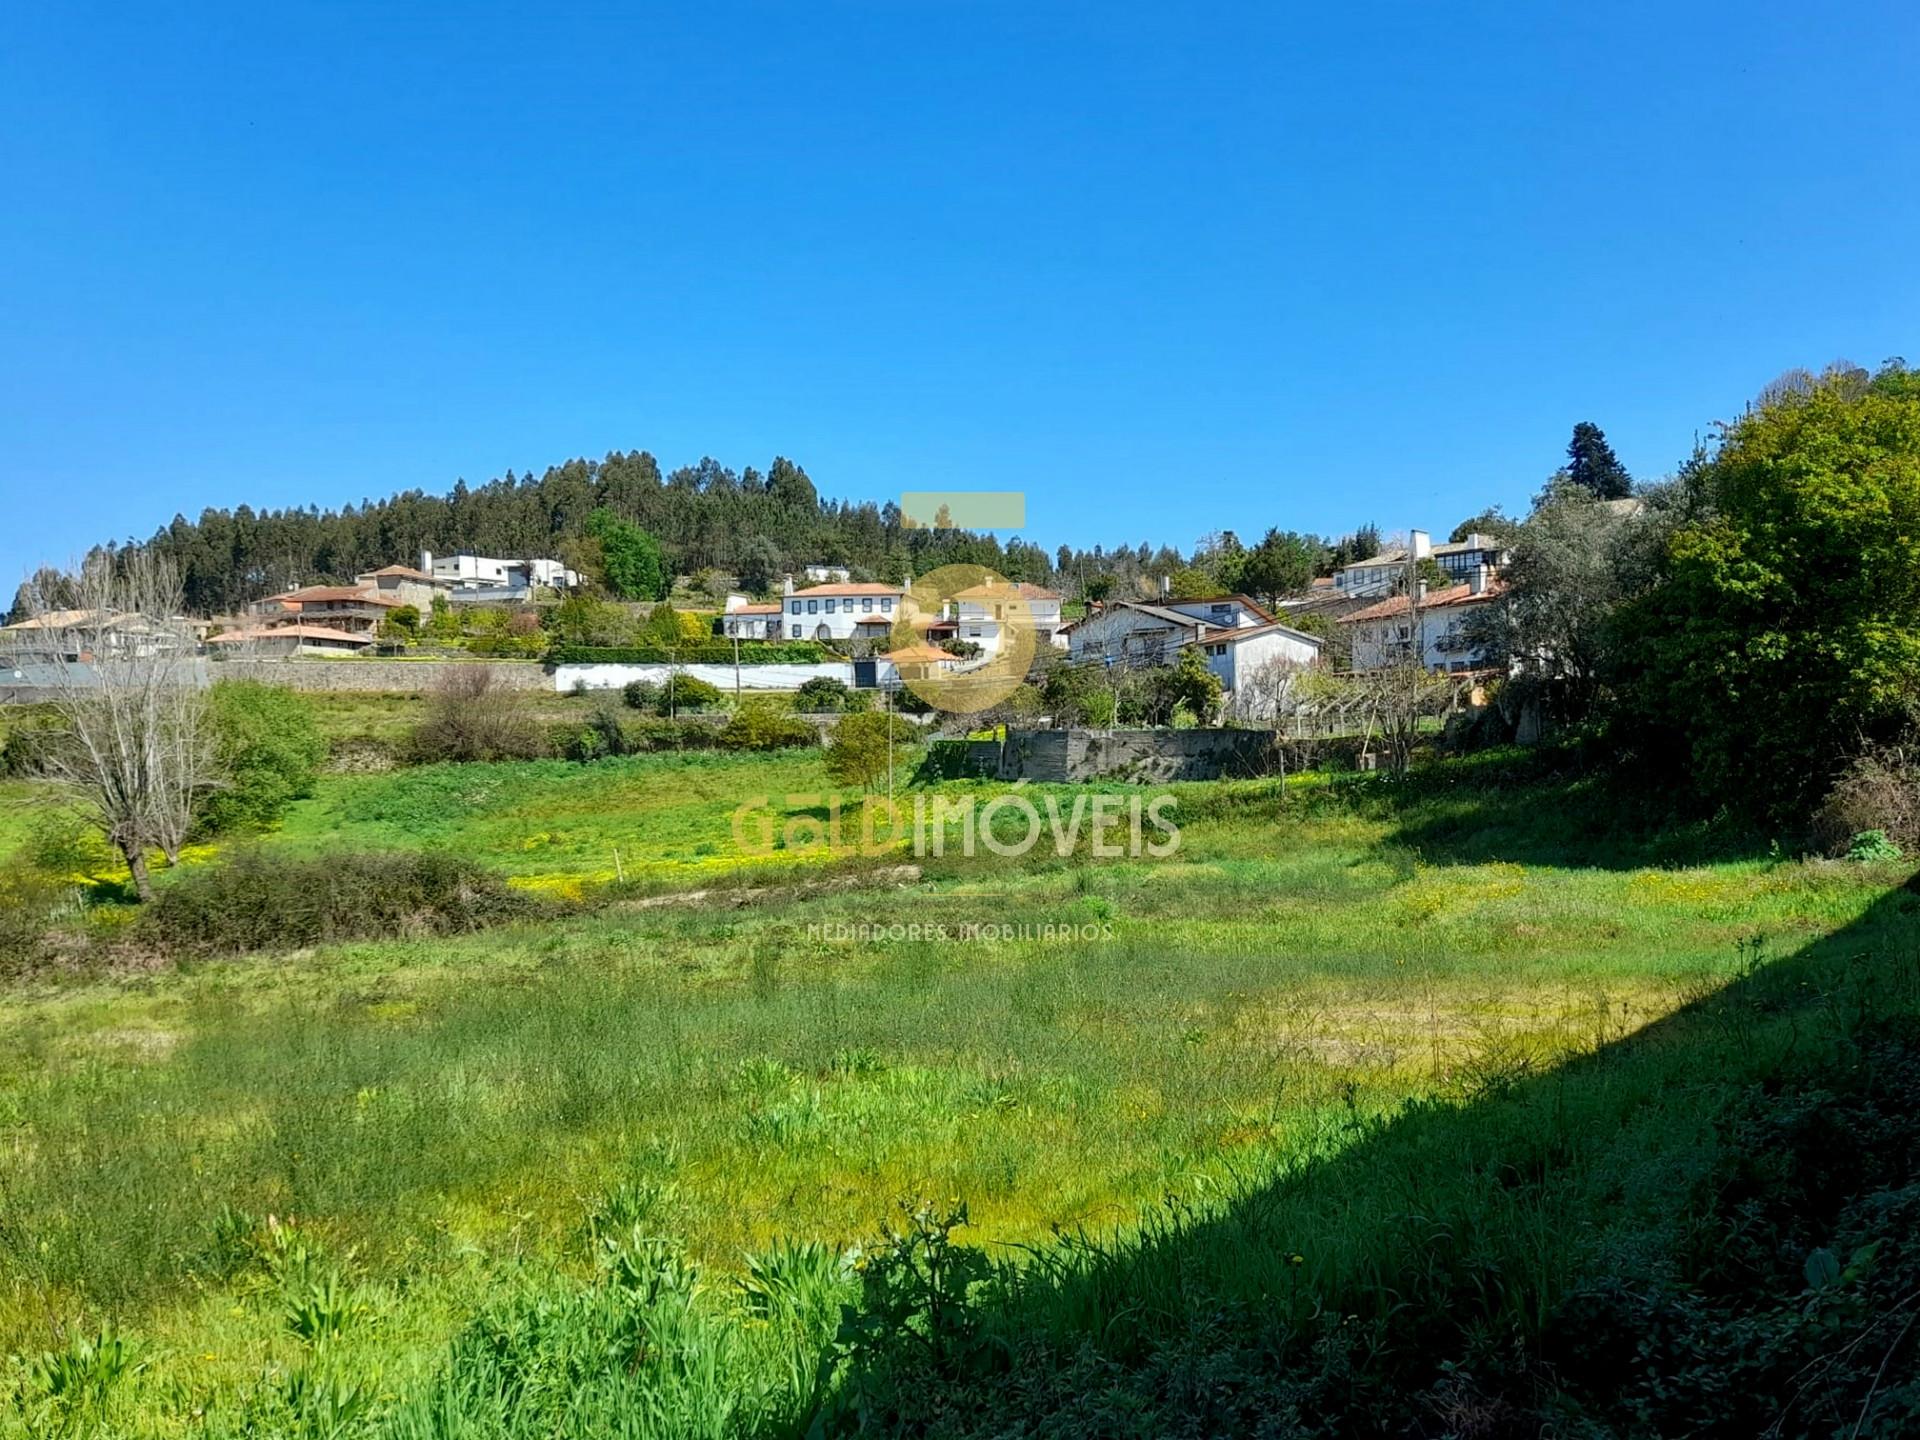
x=133 y=739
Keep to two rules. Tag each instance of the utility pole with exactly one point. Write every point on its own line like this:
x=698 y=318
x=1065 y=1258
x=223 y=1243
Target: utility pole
x=736 y=664
x=673 y=669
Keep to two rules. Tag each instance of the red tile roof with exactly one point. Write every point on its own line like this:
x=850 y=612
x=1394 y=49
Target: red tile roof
x=404 y=572
x=322 y=594
x=1462 y=594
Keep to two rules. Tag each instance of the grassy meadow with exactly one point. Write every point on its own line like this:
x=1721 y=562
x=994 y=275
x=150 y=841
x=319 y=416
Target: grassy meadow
x=616 y=1170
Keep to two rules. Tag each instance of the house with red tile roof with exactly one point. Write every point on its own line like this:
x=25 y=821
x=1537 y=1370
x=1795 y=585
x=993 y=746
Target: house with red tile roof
x=1431 y=624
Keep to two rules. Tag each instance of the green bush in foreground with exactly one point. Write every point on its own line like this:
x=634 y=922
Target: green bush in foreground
x=763 y=725
x=268 y=749
x=258 y=901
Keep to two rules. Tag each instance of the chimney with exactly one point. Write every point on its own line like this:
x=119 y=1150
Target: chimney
x=1166 y=587
x=786 y=585
x=426 y=562
x=1420 y=590
x=1421 y=543
x=1478 y=580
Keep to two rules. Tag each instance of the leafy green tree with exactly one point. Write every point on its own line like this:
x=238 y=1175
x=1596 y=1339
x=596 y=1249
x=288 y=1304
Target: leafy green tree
x=860 y=746
x=634 y=565
x=268 y=750
x=1592 y=465
x=583 y=620
x=1363 y=544
x=1783 y=628
x=764 y=725
x=1552 y=622
x=1193 y=687
x=1284 y=561
x=758 y=565
x=668 y=626
x=1494 y=523
x=821 y=695
x=1190 y=582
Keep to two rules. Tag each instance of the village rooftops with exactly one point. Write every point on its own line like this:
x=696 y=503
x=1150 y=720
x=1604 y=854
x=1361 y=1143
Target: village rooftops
x=401 y=572
x=772 y=607
x=332 y=594
x=1435 y=600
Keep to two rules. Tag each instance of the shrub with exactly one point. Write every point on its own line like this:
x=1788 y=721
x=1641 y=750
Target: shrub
x=471 y=716
x=268 y=749
x=823 y=695
x=663 y=734
x=1871 y=846
x=863 y=746
x=30 y=735
x=1879 y=792
x=764 y=725
x=599 y=738
x=689 y=692
x=257 y=901
x=641 y=694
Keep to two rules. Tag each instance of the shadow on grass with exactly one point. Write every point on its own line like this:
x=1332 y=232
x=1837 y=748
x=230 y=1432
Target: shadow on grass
x=1547 y=807
x=1709 y=1227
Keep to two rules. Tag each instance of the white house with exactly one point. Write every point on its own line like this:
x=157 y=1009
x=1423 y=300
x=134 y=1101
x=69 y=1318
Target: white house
x=467 y=573
x=743 y=619
x=847 y=610
x=1240 y=654
x=1133 y=632
x=1386 y=633
x=827 y=574
x=983 y=613
x=1381 y=574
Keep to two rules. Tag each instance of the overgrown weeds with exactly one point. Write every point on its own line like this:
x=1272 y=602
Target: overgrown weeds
x=259 y=900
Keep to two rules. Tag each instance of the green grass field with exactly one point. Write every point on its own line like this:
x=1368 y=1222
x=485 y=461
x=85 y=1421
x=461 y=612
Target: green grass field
x=290 y=1183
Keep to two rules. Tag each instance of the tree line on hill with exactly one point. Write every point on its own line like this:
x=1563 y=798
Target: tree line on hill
x=631 y=529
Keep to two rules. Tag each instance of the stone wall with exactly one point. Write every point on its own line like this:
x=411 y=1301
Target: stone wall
x=1147 y=756
x=393 y=677
x=602 y=676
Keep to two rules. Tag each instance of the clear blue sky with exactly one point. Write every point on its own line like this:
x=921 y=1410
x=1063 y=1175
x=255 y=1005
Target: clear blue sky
x=1166 y=268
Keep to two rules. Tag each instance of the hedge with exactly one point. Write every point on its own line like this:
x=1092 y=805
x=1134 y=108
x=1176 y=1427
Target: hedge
x=752 y=652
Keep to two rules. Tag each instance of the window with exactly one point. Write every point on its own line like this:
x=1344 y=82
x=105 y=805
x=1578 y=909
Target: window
x=1216 y=649
x=827 y=605
x=866 y=604
x=886 y=602
x=813 y=607
x=795 y=630
x=795 y=608
x=1221 y=609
